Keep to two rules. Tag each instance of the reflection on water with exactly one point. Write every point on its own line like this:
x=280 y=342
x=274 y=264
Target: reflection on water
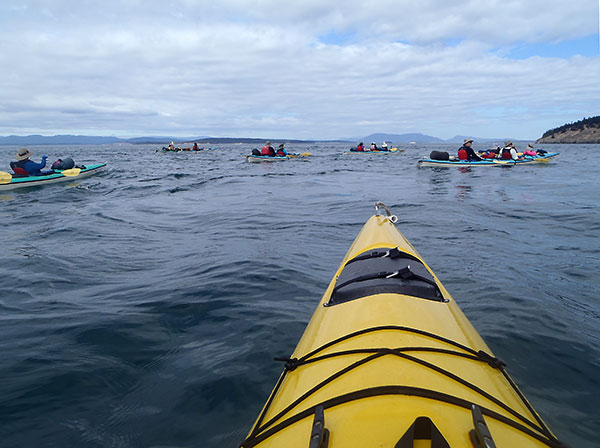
x=462 y=191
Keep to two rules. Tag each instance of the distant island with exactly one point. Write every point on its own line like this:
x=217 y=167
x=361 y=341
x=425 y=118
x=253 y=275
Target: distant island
x=17 y=140
x=582 y=131
x=25 y=140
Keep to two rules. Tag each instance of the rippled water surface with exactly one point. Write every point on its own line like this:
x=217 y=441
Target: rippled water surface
x=142 y=307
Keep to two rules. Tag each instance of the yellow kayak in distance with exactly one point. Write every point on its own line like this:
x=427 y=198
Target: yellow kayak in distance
x=388 y=359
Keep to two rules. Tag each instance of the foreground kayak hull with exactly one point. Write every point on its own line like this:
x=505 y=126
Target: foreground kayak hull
x=384 y=362
x=490 y=162
x=35 y=181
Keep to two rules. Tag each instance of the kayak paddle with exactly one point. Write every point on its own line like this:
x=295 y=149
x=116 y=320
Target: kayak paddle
x=71 y=172
x=5 y=177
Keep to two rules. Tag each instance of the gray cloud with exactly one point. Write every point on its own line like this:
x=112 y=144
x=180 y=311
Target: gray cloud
x=265 y=69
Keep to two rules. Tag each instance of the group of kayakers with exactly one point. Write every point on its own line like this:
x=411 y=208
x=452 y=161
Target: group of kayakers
x=269 y=151
x=507 y=152
x=23 y=166
x=361 y=147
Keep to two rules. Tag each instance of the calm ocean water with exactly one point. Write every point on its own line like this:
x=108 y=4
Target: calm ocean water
x=143 y=307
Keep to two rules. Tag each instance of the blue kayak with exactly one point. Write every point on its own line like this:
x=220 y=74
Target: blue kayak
x=425 y=161
x=8 y=182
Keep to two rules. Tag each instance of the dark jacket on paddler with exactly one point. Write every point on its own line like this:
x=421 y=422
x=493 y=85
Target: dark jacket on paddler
x=470 y=153
x=32 y=168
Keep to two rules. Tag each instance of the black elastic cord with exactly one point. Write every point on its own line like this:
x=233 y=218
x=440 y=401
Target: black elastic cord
x=393 y=252
x=293 y=363
x=388 y=351
x=398 y=390
x=405 y=274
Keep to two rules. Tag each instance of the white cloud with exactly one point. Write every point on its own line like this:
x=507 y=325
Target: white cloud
x=263 y=68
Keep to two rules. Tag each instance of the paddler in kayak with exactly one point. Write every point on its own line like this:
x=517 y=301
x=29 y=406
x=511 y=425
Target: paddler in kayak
x=267 y=150
x=529 y=151
x=384 y=147
x=509 y=152
x=195 y=147
x=465 y=152
x=281 y=152
x=359 y=148
x=26 y=167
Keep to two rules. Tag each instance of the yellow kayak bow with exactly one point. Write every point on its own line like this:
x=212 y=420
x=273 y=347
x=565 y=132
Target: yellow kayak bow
x=389 y=360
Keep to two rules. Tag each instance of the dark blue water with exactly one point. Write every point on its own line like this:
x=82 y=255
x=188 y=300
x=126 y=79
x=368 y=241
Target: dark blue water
x=142 y=307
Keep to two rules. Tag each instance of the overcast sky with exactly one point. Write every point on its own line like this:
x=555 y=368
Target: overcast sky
x=311 y=69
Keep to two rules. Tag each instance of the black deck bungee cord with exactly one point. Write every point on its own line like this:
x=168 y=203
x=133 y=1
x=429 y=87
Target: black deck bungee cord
x=260 y=431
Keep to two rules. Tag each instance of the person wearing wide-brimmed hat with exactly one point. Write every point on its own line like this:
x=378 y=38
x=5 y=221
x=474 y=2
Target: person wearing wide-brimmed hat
x=26 y=167
x=509 y=151
x=465 y=152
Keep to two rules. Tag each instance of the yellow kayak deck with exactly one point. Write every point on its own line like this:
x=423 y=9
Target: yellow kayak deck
x=393 y=369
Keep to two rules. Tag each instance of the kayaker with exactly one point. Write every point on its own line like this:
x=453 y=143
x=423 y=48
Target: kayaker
x=172 y=146
x=267 y=150
x=465 y=152
x=509 y=151
x=374 y=146
x=384 y=146
x=26 y=167
x=195 y=148
x=281 y=152
x=360 y=147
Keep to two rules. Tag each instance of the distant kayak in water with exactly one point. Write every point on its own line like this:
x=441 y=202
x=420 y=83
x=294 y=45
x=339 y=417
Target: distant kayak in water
x=166 y=149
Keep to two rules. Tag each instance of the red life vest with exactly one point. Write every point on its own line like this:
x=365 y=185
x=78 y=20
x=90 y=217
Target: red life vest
x=267 y=151
x=462 y=154
x=280 y=153
x=18 y=168
x=506 y=153
x=360 y=148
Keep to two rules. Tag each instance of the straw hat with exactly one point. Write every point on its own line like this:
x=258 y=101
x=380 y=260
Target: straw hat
x=23 y=154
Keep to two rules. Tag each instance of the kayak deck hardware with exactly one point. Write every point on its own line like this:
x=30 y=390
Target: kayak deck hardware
x=384 y=270
x=263 y=430
x=319 y=437
x=393 y=218
x=480 y=436
x=422 y=429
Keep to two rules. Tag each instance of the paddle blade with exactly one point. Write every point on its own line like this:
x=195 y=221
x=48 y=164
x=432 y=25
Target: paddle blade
x=5 y=177
x=72 y=172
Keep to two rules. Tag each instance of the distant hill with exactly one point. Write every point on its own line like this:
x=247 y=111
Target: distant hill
x=582 y=131
x=461 y=139
x=423 y=138
x=85 y=140
x=56 y=140
x=402 y=138
x=16 y=140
